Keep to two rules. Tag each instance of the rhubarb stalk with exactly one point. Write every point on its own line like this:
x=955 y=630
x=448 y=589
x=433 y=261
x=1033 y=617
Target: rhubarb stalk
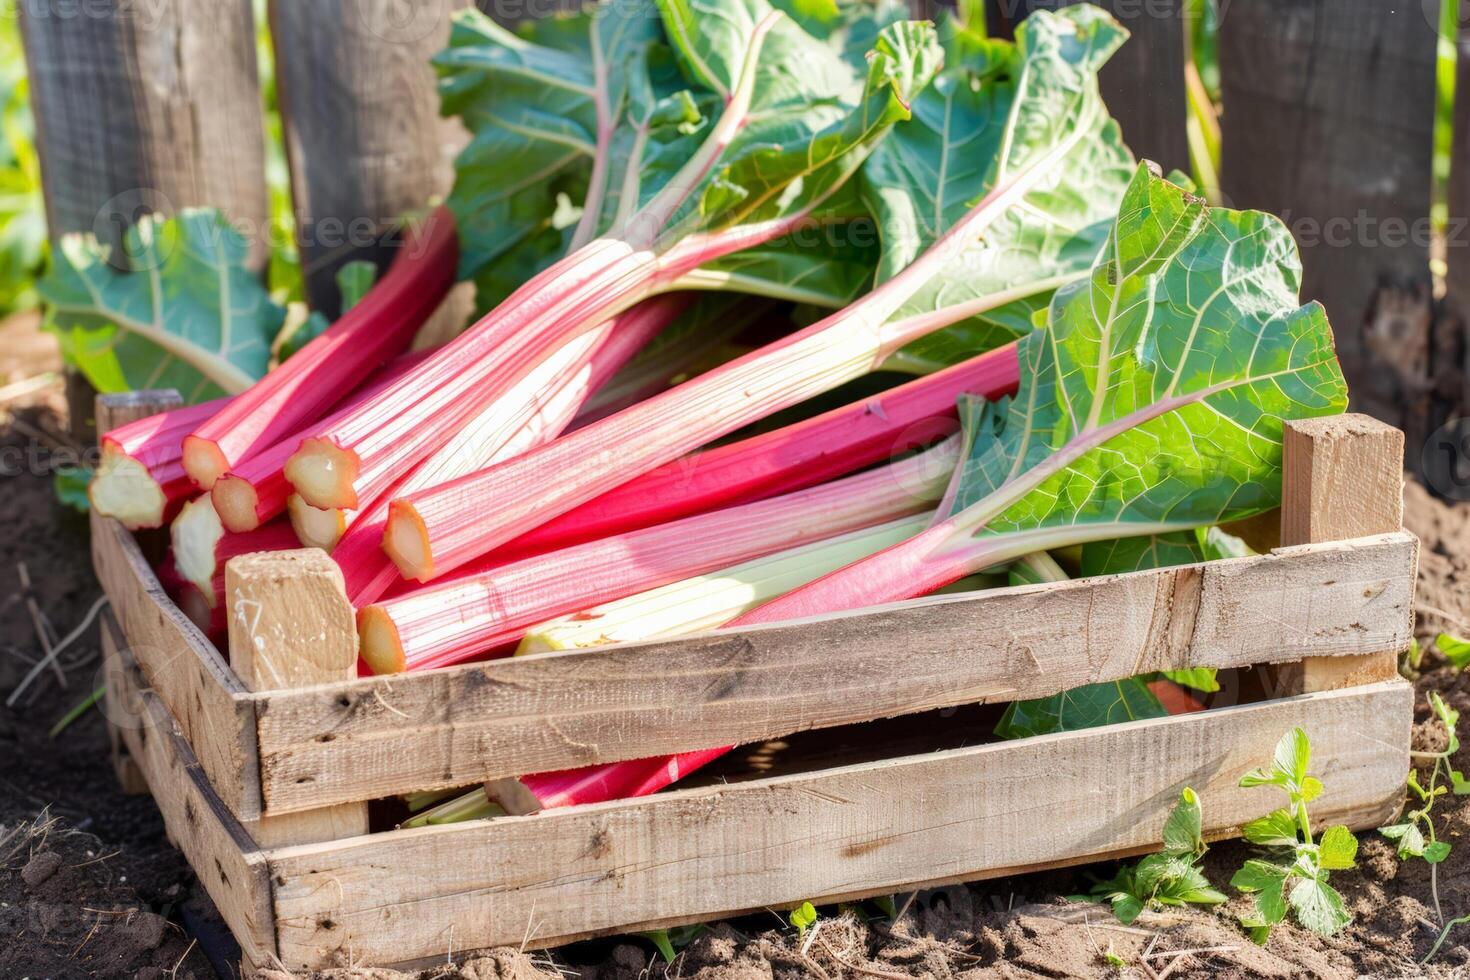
x=457 y=619
x=647 y=249
x=554 y=393
x=140 y=478
x=366 y=337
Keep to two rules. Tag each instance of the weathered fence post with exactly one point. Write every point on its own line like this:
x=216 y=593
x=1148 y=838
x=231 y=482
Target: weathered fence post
x=361 y=117
x=1143 y=84
x=1328 y=121
x=144 y=107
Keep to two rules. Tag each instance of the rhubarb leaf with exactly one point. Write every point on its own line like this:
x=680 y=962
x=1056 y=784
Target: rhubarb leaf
x=1154 y=398
x=799 y=120
x=995 y=109
x=190 y=316
x=1089 y=706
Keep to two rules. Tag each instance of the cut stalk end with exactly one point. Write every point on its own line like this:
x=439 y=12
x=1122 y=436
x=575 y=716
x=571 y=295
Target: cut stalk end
x=204 y=462
x=124 y=489
x=235 y=502
x=324 y=474
x=315 y=527
x=195 y=533
x=406 y=541
x=378 y=641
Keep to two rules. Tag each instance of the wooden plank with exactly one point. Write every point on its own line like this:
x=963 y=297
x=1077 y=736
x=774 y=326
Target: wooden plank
x=1143 y=84
x=291 y=626
x=1341 y=476
x=969 y=813
x=363 y=134
x=225 y=859
x=184 y=670
x=146 y=107
x=377 y=736
x=1328 y=121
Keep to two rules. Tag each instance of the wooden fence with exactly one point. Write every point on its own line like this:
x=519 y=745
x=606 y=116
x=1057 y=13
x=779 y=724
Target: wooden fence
x=1329 y=110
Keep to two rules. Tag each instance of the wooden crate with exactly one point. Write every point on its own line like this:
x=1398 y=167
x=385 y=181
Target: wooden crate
x=264 y=789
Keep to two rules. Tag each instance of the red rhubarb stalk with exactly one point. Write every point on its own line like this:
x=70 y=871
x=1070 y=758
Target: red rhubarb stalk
x=331 y=365
x=464 y=616
x=791 y=458
x=554 y=394
x=437 y=530
x=255 y=491
x=357 y=458
x=202 y=546
x=140 y=478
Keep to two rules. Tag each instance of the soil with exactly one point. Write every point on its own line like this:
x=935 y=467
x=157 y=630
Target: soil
x=90 y=887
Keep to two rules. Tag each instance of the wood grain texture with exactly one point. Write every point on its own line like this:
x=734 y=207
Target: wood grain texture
x=1341 y=476
x=184 y=670
x=146 y=107
x=1143 y=83
x=225 y=859
x=377 y=736
x=291 y=626
x=361 y=117
x=120 y=409
x=1328 y=121
x=968 y=813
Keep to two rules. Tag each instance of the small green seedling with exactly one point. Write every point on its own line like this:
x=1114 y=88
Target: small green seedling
x=1415 y=835
x=1297 y=877
x=1110 y=955
x=803 y=917
x=1172 y=877
x=667 y=941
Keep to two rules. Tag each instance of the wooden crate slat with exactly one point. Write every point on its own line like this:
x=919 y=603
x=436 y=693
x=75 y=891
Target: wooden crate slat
x=227 y=862
x=185 y=671
x=865 y=829
x=552 y=711
x=1328 y=121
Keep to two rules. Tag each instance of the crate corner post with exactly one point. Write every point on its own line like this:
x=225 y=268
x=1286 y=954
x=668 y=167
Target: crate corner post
x=290 y=625
x=1342 y=478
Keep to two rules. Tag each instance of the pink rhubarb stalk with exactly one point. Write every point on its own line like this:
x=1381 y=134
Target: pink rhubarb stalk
x=256 y=491
x=554 y=393
x=437 y=530
x=140 y=478
x=464 y=616
x=202 y=546
x=791 y=458
x=320 y=374
x=358 y=457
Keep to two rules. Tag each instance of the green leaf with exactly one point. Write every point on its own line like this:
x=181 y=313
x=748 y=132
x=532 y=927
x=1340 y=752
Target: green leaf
x=1437 y=851
x=1409 y=836
x=1293 y=755
x=1338 y=849
x=1449 y=718
x=354 y=280
x=1257 y=930
x=1139 y=553
x=1132 y=416
x=1311 y=788
x=1318 y=907
x=1083 y=707
x=1455 y=650
x=803 y=917
x=190 y=316
x=1258 y=876
x=1216 y=544
x=70 y=484
x=1202 y=679
x=1126 y=908
x=994 y=110
x=1276 y=829
x=1182 y=828
x=660 y=940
